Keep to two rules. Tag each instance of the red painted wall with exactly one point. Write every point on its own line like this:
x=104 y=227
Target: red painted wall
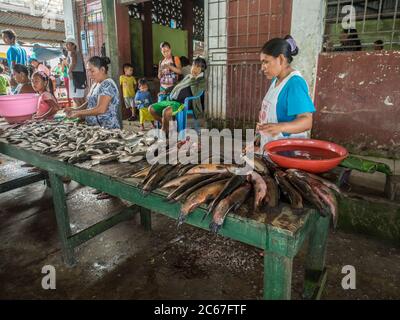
x=358 y=101
x=123 y=32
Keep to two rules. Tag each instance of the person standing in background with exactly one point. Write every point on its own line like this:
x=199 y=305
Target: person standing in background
x=76 y=72
x=128 y=87
x=15 y=53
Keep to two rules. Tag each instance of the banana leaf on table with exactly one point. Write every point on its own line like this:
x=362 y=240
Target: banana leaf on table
x=366 y=166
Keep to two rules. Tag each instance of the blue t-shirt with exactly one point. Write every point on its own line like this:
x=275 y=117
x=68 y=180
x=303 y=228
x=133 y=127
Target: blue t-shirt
x=293 y=100
x=17 y=54
x=143 y=99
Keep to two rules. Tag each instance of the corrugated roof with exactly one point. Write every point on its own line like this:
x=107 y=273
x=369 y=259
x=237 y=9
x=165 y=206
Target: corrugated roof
x=30 y=28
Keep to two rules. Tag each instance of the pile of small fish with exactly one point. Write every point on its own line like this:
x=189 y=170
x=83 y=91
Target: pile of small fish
x=224 y=192
x=77 y=143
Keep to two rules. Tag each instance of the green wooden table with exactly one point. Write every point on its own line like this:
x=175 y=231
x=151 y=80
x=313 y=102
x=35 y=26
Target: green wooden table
x=281 y=236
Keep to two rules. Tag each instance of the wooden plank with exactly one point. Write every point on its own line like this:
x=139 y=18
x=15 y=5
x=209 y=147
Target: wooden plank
x=61 y=210
x=315 y=259
x=89 y=233
x=22 y=181
x=145 y=219
x=277 y=276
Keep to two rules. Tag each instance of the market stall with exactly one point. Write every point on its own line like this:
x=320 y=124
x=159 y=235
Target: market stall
x=281 y=233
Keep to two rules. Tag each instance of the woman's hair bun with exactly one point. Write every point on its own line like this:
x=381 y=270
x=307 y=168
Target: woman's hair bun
x=293 y=45
x=106 y=60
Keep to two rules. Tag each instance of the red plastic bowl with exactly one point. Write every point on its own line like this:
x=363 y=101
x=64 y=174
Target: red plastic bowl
x=314 y=166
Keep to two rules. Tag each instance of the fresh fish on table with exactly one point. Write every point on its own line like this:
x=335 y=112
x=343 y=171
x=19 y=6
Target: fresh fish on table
x=296 y=200
x=57 y=139
x=153 y=182
x=328 y=198
x=203 y=183
x=202 y=196
x=303 y=175
x=176 y=183
x=272 y=198
x=213 y=168
x=260 y=189
x=142 y=173
x=257 y=164
x=230 y=204
x=232 y=184
x=185 y=186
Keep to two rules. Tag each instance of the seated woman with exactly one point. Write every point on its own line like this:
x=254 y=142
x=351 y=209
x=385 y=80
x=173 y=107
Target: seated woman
x=21 y=76
x=190 y=86
x=103 y=102
x=103 y=99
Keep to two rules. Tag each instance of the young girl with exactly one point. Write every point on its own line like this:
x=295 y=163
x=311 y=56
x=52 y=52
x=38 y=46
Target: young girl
x=47 y=104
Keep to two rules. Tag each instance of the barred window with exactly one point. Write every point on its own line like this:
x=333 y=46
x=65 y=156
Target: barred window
x=362 y=25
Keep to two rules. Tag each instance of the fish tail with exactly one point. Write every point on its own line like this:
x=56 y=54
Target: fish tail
x=215 y=227
x=181 y=220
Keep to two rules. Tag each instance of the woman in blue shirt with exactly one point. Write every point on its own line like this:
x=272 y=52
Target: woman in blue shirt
x=287 y=109
x=102 y=104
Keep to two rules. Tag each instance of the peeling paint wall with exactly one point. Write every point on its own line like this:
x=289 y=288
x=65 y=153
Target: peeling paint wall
x=307 y=30
x=358 y=102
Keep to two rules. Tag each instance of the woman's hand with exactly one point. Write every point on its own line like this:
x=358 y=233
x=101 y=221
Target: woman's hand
x=71 y=113
x=270 y=129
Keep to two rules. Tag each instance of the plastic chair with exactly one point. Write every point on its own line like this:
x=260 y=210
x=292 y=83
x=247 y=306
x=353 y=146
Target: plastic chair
x=181 y=117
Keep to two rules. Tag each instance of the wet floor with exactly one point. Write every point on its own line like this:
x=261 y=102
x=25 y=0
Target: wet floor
x=126 y=262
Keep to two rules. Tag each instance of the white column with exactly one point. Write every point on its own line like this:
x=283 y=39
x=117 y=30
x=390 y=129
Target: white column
x=308 y=29
x=69 y=19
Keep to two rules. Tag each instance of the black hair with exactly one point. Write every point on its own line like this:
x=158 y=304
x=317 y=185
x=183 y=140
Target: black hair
x=184 y=61
x=142 y=82
x=47 y=79
x=20 y=68
x=200 y=62
x=100 y=62
x=1 y=69
x=165 y=44
x=276 y=47
x=379 y=42
x=10 y=34
x=127 y=65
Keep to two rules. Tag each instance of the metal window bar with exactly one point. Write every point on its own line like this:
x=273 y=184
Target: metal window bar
x=375 y=20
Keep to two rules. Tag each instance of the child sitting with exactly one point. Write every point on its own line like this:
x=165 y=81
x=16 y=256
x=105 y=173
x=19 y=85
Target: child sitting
x=47 y=105
x=142 y=102
x=191 y=85
x=128 y=85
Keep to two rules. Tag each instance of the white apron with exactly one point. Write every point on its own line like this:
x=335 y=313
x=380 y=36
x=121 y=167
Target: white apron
x=269 y=112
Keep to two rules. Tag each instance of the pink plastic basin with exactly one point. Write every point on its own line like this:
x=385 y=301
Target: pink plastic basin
x=18 y=108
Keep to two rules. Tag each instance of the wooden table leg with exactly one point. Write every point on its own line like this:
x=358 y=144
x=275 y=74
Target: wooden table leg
x=145 y=218
x=277 y=276
x=61 y=210
x=315 y=275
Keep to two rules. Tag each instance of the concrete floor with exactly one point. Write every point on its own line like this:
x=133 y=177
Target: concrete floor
x=127 y=262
